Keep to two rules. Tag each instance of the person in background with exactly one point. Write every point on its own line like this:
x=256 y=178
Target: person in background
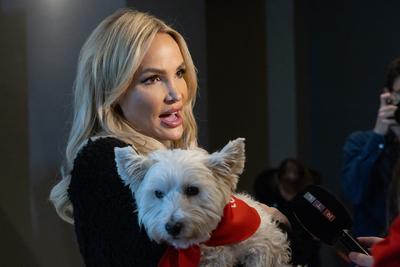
x=369 y=158
x=276 y=188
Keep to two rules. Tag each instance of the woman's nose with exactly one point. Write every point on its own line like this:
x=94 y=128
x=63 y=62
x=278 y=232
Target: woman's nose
x=174 y=95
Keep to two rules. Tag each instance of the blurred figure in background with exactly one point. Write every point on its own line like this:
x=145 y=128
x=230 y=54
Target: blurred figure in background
x=369 y=158
x=276 y=188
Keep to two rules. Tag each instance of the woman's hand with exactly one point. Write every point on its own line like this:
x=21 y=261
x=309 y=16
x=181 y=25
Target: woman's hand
x=363 y=260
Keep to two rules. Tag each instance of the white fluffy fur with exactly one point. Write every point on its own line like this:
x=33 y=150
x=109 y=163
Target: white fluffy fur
x=171 y=172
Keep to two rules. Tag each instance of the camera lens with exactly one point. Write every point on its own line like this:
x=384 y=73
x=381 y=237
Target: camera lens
x=397 y=113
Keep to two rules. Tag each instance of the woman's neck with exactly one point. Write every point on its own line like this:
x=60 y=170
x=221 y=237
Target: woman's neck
x=167 y=144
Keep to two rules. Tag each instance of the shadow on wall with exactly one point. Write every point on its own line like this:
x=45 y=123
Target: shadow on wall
x=14 y=214
x=31 y=234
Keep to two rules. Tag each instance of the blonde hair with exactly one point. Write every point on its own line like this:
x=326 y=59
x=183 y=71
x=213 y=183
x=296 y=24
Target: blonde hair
x=107 y=63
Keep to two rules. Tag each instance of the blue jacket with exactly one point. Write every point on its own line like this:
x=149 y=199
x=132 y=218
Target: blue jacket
x=369 y=159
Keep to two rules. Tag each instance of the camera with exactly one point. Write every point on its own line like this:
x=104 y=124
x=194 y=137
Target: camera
x=397 y=113
x=396 y=116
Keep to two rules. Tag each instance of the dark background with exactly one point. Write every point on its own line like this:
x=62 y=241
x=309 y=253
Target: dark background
x=292 y=77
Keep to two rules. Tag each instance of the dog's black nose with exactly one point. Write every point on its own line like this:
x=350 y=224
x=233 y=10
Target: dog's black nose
x=174 y=228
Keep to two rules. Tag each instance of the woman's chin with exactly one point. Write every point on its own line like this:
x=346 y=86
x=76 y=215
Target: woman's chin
x=174 y=134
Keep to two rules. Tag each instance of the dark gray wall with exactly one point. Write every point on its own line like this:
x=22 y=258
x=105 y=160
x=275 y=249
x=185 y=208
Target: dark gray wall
x=15 y=221
x=237 y=97
x=281 y=83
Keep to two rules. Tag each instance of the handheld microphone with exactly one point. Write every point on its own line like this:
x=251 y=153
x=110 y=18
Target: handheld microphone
x=323 y=216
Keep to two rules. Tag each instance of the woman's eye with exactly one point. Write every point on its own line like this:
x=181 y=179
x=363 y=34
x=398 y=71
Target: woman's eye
x=158 y=194
x=151 y=80
x=180 y=73
x=191 y=190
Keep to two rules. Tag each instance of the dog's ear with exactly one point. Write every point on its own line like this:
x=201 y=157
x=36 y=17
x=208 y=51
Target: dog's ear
x=131 y=166
x=229 y=161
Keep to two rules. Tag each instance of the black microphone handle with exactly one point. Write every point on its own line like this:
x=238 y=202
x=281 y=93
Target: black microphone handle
x=351 y=244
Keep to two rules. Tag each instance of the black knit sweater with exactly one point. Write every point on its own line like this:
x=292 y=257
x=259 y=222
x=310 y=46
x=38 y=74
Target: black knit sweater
x=106 y=224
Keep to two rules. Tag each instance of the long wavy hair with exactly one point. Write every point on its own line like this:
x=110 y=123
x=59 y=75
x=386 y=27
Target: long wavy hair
x=107 y=64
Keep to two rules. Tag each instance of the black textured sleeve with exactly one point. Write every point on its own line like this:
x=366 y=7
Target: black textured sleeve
x=106 y=225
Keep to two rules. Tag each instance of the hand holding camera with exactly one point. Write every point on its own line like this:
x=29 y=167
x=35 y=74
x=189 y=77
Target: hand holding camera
x=388 y=114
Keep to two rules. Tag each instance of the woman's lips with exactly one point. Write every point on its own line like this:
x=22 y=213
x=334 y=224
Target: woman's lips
x=171 y=120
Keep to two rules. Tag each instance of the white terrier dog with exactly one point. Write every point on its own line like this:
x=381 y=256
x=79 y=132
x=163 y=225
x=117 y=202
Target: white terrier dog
x=186 y=199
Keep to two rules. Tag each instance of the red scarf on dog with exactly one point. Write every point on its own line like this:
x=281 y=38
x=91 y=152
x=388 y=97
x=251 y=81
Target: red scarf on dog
x=239 y=222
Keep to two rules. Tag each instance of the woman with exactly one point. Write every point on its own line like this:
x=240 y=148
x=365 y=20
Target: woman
x=136 y=84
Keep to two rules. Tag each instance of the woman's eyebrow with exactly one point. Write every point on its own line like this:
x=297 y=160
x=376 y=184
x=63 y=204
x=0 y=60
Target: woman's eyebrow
x=153 y=70
x=181 y=66
x=161 y=71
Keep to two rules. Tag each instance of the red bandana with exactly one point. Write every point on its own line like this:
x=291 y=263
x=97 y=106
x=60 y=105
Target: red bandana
x=387 y=252
x=239 y=222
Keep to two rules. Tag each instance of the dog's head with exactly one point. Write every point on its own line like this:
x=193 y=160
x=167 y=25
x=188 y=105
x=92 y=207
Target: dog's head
x=180 y=194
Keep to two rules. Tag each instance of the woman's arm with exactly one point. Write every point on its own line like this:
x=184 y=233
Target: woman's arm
x=105 y=222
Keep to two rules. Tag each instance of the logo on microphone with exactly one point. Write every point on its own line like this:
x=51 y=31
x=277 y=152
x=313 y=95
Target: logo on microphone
x=319 y=206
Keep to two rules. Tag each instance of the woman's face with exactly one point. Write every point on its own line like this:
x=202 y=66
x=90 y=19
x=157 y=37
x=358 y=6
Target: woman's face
x=153 y=105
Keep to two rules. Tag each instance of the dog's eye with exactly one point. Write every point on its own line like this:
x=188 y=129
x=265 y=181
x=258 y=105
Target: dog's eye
x=158 y=194
x=191 y=190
